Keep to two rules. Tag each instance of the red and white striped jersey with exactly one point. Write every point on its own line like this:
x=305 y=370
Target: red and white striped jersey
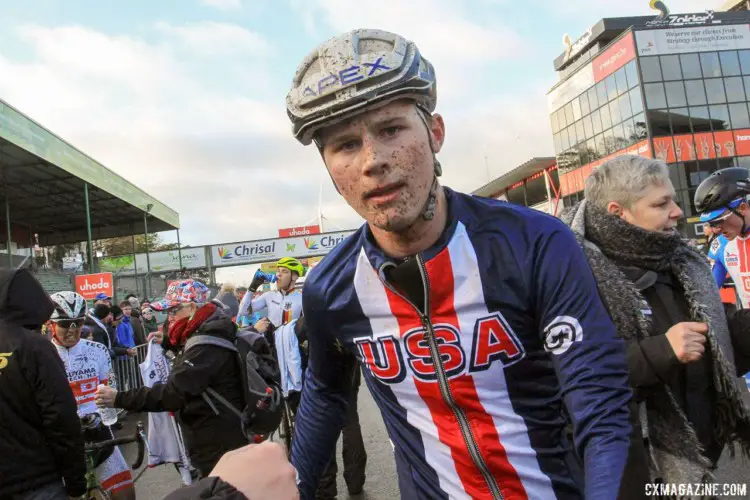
x=737 y=262
x=87 y=364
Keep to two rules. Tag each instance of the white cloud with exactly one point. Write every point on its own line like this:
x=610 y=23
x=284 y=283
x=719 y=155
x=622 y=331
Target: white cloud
x=222 y=159
x=215 y=143
x=494 y=137
x=212 y=38
x=456 y=46
x=223 y=4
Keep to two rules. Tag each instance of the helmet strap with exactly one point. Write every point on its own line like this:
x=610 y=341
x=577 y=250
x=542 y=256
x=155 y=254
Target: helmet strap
x=428 y=213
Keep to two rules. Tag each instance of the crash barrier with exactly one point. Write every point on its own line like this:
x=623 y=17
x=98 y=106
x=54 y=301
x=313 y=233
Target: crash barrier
x=126 y=370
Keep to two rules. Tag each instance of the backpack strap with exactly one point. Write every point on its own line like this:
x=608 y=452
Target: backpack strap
x=221 y=399
x=218 y=342
x=209 y=340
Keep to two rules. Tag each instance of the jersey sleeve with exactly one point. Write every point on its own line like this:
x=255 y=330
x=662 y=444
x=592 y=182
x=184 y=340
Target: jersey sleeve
x=720 y=272
x=324 y=395
x=589 y=359
x=260 y=302
x=716 y=254
x=105 y=364
x=245 y=304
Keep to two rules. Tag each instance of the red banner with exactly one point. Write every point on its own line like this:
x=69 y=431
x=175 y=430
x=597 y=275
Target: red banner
x=299 y=231
x=90 y=285
x=614 y=58
x=705 y=147
x=741 y=142
x=684 y=148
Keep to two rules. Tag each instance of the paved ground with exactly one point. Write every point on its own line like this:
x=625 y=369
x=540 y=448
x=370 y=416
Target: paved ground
x=381 y=475
x=381 y=481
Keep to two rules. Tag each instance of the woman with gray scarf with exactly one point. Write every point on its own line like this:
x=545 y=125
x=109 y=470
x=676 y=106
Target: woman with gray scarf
x=683 y=354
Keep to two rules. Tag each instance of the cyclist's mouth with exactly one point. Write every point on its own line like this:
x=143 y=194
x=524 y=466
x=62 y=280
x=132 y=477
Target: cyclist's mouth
x=384 y=194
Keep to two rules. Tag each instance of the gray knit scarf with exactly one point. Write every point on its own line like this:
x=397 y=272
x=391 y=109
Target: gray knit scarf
x=610 y=244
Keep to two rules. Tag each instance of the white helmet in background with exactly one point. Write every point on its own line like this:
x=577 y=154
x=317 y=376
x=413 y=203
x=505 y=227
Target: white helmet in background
x=68 y=306
x=355 y=72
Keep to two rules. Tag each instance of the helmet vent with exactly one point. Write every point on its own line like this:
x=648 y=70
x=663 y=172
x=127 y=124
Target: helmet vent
x=372 y=45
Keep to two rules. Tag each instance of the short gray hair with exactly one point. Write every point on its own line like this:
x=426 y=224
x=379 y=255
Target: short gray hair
x=624 y=180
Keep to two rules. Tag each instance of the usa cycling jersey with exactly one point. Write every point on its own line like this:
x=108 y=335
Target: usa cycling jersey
x=88 y=364
x=716 y=256
x=472 y=392
x=282 y=308
x=736 y=258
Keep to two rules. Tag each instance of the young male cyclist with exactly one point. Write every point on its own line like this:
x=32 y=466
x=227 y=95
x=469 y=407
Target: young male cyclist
x=477 y=322
x=284 y=304
x=88 y=365
x=723 y=199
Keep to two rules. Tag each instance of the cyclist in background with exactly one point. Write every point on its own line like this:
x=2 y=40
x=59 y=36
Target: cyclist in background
x=284 y=304
x=722 y=199
x=88 y=365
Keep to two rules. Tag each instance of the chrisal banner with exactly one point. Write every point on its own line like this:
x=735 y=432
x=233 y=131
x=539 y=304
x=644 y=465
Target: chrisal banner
x=91 y=285
x=299 y=231
x=614 y=58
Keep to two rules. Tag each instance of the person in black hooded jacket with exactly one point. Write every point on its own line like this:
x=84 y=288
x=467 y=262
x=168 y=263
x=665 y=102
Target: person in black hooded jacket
x=208 y=434
x=96 y=321
x=41 y=442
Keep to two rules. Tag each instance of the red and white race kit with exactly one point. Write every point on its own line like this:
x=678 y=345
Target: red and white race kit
x=88 y=364
x=737 y=262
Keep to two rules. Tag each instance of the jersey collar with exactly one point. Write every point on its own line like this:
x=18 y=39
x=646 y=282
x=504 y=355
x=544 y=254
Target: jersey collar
x=377 y=257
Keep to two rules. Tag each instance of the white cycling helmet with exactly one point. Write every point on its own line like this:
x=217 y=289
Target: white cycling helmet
x=354 y=72
x=68 y=305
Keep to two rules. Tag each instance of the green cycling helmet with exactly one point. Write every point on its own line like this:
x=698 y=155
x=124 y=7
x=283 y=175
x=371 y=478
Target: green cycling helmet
x=292 y=264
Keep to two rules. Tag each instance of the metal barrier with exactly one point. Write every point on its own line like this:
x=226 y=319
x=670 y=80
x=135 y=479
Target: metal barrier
x=127 y=373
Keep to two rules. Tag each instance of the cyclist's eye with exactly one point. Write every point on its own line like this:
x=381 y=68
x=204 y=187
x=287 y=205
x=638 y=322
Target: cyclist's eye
x=347 y=145
x=391 y=131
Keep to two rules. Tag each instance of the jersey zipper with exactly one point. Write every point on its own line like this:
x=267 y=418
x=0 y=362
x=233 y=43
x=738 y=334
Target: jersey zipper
x=463 y=421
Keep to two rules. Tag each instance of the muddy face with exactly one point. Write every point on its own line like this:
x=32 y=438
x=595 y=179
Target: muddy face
x=382 y=163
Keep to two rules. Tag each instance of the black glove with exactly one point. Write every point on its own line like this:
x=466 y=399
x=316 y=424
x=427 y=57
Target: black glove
x=257 y=281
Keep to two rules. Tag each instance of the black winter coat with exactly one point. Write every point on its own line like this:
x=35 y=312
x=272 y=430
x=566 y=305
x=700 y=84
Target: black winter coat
x=40 y=433
x=207 y=435
x=106 y=338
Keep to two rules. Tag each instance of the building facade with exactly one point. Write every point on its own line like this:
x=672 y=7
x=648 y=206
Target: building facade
x=534 y=184
x=673 y=87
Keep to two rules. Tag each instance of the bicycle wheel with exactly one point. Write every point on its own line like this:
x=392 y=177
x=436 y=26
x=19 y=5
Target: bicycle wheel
x=98 y=494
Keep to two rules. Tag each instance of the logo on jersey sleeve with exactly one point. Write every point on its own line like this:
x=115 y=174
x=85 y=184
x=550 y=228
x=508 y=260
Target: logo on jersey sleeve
x=731 y=259
x=560 y=334
x=715 y=245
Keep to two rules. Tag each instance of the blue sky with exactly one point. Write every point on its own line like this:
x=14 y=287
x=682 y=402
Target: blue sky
x=185 y=98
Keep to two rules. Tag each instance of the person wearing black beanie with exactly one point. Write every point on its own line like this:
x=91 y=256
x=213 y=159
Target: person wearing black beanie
x=103 y=333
